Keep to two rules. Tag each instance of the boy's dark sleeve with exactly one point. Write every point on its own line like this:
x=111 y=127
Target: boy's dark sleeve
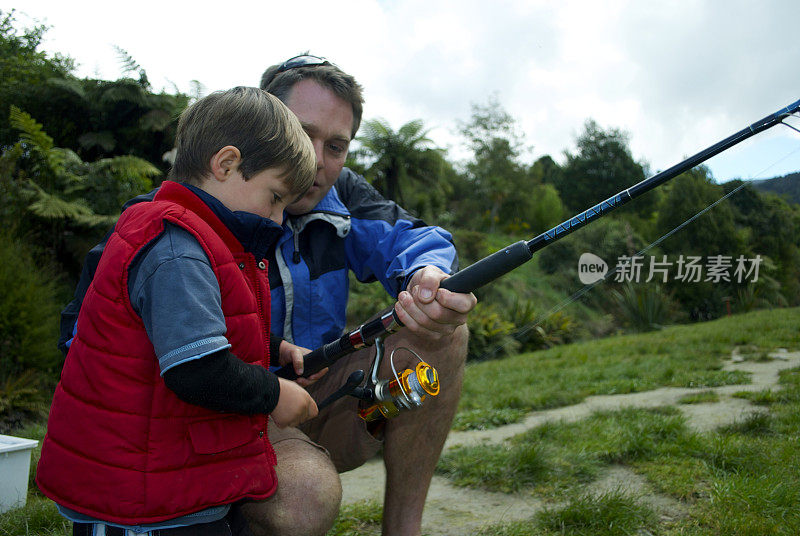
x=222 y=382
x=274 y=349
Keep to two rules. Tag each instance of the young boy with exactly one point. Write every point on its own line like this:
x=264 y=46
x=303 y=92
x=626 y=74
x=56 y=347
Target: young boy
x=159 y=420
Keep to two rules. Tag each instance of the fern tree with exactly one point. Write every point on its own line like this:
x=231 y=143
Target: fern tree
x=399 y=160
x=55 y=199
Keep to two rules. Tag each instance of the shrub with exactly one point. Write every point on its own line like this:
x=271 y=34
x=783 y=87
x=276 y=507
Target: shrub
x=490 y=335
x=28 y=312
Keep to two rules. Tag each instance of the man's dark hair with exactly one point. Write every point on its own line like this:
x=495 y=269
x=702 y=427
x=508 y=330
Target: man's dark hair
x=326 y=74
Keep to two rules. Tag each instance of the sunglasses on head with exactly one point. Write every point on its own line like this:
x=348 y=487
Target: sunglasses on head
x=303 y=60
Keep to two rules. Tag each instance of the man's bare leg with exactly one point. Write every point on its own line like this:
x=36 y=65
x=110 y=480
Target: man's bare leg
x=307 y=500
x=414 y=440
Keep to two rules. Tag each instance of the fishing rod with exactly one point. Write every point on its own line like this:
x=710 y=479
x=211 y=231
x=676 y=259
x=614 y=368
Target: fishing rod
x=501 y=262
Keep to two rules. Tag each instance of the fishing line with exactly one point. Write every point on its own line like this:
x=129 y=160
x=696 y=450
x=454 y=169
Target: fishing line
x=586 y=288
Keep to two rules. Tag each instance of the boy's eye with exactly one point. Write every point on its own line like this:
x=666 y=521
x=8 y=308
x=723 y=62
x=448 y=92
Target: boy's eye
x=276 y=198
x=338 y=149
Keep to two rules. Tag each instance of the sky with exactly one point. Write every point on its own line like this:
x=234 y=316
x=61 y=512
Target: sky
x=676 y=76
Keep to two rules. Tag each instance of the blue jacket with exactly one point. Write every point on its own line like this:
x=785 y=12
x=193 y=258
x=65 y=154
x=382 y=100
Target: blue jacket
x=352 y=228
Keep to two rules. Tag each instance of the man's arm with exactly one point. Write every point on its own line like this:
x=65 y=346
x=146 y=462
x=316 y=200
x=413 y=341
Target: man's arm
x=409 y=257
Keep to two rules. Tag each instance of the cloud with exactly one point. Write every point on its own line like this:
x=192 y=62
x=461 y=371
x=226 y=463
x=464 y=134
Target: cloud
x=677 y=76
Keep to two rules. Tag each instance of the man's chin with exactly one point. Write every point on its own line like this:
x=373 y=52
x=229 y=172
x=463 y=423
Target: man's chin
x=301 y=207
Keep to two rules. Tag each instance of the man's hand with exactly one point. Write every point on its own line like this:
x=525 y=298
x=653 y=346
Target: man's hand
x=291 y=353
x=430 y=311
x=295 y=405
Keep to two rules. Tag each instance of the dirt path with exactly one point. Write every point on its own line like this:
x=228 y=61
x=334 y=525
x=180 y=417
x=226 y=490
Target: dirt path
x=453 y=510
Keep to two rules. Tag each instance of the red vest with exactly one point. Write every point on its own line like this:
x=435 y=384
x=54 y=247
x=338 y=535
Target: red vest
x=121 y=446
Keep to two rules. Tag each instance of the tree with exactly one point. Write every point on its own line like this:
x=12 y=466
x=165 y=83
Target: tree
x=24 y=71
x=495 y=172
x=398 y=157
x=94 y=118
x=601 y=167
x=52 y=196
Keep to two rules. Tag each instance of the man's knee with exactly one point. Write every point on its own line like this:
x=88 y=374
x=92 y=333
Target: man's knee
x=308 y=496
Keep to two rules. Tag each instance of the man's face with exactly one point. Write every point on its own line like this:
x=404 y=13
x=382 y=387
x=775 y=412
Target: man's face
x=328 y=120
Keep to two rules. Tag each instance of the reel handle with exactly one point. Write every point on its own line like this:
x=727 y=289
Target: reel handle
x=349 y=387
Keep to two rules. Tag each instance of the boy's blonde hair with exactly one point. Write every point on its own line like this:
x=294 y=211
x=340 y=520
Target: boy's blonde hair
x=266 y=132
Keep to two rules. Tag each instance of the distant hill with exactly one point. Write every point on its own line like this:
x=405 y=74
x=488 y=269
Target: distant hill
x=788 y=186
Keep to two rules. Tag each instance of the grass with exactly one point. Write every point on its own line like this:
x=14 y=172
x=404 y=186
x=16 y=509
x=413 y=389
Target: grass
x=560 y=457
x=361 y=518
x=703 y=397
x=679 y=356
x=741 y=479
x=608 y=514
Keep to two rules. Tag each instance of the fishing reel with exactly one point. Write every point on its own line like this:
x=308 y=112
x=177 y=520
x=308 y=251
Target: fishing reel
x=385 y=399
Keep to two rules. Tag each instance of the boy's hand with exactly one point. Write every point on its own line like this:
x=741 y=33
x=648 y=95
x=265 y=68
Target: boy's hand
x=291 y=353
x=295 y=405
x=430 y=311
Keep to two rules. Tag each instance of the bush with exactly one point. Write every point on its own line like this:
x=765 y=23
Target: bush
x=490 y=335
x=29 y=313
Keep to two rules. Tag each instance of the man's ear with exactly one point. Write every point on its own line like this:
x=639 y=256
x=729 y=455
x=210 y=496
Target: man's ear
x=225 y=162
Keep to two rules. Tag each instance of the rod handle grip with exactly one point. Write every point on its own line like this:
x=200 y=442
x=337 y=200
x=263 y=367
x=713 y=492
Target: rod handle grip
x=488 y=269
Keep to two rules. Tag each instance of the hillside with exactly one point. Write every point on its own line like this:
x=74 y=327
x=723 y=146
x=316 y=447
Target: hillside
x=787 y=186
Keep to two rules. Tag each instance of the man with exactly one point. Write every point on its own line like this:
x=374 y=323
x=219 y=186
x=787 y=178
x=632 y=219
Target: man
x=383 y=242
x=343 y=224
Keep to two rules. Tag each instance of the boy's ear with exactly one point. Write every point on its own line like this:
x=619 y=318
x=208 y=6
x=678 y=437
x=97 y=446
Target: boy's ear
x=225 y=162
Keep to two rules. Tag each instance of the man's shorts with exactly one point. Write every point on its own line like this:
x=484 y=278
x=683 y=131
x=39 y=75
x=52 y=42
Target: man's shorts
x=337 y=429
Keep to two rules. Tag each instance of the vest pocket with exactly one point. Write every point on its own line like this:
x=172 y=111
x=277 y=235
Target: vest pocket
x=217 y=435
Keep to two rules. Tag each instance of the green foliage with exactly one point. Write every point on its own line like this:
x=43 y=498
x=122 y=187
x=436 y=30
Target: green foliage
x=491 y=335
x=788 y=186
x=644 y=307
x=28 y=312
x=361 y=518
x=602 y=166
x=39 y=518
x=495 y=468
x=485 y=418
x=714 y=233
x=53 y=195
x=608 y=514
x=21 y=399
x=94 y=118
x=703 y=397
x=534 y=333
x=404 y=165
x=607 y=238
x=495 y=175
x=365 y=301
x=680 y=356
x=471 y=246
x=24 y=71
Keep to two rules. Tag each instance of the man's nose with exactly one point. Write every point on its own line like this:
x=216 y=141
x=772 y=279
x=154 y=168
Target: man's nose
x=319 y=152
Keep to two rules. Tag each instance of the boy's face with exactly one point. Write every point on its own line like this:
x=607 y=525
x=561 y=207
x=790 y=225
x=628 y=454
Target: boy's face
x=328 y=121
x=266 y=193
